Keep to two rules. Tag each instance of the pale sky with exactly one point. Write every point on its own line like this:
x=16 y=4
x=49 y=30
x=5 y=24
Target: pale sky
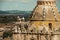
x=23 y=5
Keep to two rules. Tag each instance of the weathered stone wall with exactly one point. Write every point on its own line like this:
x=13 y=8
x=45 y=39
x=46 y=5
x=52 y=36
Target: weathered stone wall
x=36 y=36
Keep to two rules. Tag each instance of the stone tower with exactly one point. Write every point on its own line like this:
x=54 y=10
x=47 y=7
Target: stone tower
x=45 y=14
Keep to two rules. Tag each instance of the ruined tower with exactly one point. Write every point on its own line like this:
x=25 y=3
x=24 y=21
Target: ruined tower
x=45 y=14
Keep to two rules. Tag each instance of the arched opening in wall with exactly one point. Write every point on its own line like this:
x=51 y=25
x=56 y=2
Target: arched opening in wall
x=46 y=3
x=31 y=30
x=50 y=26
x=40 y=3
x=43 y=3
x=32 y=38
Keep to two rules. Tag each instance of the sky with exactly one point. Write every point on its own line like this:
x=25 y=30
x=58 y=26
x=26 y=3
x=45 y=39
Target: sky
x=23 y=5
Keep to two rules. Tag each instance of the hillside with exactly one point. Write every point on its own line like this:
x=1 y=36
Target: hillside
x=10 y=16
